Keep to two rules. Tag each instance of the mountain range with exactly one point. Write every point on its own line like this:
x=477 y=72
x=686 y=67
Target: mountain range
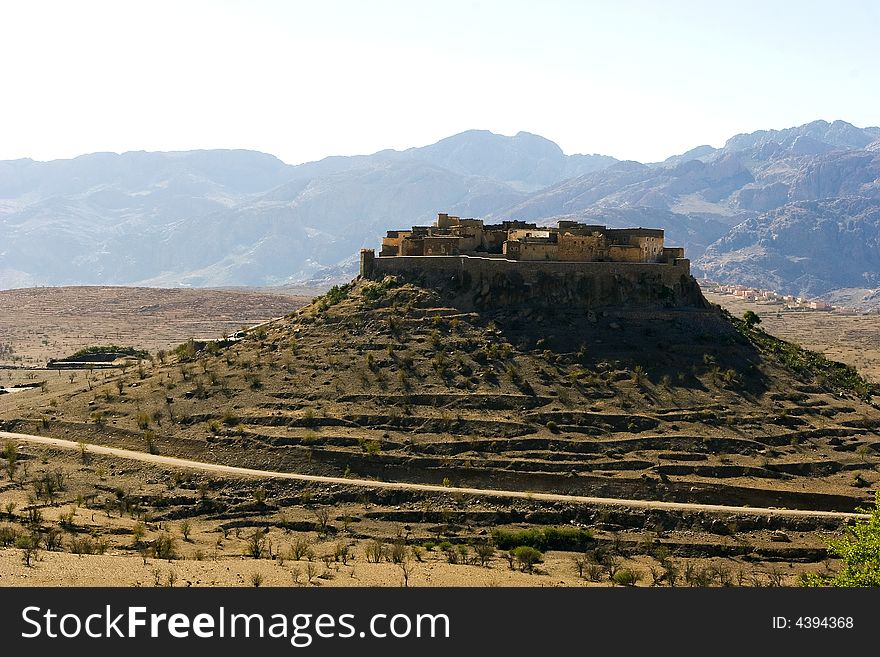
x=796 y=209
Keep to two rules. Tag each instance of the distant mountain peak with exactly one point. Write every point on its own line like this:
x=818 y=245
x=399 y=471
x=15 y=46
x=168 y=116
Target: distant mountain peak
x=525 y=161
x=698 y=153
x=838 y=134
x=239 y=217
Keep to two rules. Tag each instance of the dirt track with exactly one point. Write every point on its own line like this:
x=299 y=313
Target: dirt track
x=368 y=483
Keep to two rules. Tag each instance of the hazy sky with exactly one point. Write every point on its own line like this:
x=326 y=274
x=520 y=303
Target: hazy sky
x=634 y=79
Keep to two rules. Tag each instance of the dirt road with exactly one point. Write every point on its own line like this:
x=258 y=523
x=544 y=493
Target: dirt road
x=229 y=470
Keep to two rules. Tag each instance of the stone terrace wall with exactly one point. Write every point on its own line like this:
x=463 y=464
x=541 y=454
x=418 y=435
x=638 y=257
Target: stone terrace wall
x=492 y=281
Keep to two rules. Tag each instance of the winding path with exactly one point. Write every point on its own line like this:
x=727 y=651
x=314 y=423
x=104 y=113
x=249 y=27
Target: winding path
x=235 y=471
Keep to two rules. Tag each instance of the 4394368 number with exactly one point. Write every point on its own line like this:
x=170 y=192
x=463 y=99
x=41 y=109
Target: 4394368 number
x=824 y=622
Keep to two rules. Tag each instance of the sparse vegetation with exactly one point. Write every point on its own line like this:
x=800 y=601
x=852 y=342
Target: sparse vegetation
x=29 y=544
x=301 y=549
x=751 y=319
x=626 y=577
x=111 y=349
x=527 y=557
x=808 y=363
x=374 y=551
x=229 y=418
x=518 y=399
x=143 y=421
x=546 y=538
x=164 y=547
x=372 y=291
x=859 y=548
x=334 y=295
x=257 y=543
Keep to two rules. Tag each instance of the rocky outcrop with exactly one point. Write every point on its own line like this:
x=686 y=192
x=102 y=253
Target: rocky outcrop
x=485 y=282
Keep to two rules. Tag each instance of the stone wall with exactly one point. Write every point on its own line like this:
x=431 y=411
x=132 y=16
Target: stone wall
x=626 y=253
x=531 y=250
x=582 y=248
x=490 y=281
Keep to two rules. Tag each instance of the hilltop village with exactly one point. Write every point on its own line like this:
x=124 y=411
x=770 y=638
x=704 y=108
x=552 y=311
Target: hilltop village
x=570 y=241
x=514 y=262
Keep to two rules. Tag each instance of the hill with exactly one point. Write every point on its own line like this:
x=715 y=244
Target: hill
x=391 y=380
x=387 y=381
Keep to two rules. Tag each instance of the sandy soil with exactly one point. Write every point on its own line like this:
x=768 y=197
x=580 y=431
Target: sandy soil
x=211 y=546
x=65 y=569
x=53 y=322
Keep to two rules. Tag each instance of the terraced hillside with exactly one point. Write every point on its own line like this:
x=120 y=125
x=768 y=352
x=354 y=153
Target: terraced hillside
x=396 y=382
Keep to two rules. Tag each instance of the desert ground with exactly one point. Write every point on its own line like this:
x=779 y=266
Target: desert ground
x=851 y=339
x=216 y=531
x=53 y=322
x=328 y=390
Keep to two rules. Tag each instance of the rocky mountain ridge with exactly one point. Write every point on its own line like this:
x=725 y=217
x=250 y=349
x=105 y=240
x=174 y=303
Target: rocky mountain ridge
x=212 y=218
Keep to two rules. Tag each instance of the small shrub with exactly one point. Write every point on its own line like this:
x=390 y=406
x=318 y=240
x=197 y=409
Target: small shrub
x=594 y=572
x=342 y=552
x=527 y=557
x=448 y=549
x=164 y=547
x=8 y=535
x=301 y=549
x=82 y=545
x=638 y=375
x=52 y=540
x=397 y=553
x=371 y=447
x=138 y=532
x=322 y=516
x=152 y=446
x=186 y=351
x=751 y=319
x=372 y=291
x=99 y=418
x=257 y=543
x=29 y=544
x=375 y=550
x=484 y=551
x=626 y=577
